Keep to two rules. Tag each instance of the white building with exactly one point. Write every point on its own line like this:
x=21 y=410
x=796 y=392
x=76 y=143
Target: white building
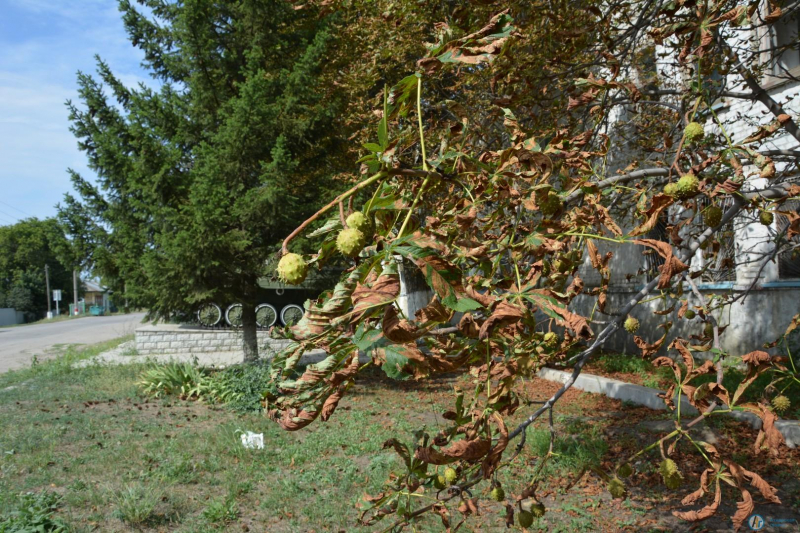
x=746 y=261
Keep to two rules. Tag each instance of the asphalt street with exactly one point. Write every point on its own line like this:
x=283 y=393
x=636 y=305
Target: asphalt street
x=18 y=345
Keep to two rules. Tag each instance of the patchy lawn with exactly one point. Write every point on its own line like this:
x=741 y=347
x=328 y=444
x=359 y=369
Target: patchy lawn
x=121 y=462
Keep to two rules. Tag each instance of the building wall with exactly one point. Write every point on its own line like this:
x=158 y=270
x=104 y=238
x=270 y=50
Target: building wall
x=761 y=317
x=766 y=312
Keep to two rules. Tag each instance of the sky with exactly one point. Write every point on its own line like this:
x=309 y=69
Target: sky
x=43 y=44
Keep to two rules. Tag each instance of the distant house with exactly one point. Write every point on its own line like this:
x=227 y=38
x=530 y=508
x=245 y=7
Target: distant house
x=95 y=294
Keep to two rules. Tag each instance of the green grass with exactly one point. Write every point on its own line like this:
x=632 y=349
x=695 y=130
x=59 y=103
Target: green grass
x=120 y=461
x=128 y=460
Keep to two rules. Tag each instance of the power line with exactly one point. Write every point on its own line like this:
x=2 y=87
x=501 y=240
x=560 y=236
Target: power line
x=11 y=216
x=15 y=208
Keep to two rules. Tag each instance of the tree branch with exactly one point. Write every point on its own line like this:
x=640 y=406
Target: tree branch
x=740 y=201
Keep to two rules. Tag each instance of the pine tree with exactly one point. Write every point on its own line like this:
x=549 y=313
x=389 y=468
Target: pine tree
x=199 y=180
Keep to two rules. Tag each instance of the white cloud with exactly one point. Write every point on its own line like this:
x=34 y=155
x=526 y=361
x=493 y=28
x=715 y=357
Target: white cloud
x=44 y=44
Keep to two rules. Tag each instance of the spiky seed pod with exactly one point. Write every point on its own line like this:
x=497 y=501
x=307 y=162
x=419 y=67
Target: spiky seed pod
x=498 y=494
x=562 y=265
x=358 y=221
x=617 y=488
x=538 y=510
x=439 y=482
x=350 y=242
x=708 y=329
x=625 y=471
x=766 y=218
x=687 y=186
x=550 y=205
x=631 y=325
x=525 y=519
x=292 y=269
x=551 y=339
x=694 y=132
x=671 y=189
x=712 y=216
x=689 y=314
x=781 y=403
x=450 y=475
x=670 y=474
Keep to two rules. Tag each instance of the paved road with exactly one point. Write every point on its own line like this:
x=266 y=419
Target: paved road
x=18 y=345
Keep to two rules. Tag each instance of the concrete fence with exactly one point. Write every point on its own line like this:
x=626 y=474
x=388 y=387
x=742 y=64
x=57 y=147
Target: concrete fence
x=10 y=316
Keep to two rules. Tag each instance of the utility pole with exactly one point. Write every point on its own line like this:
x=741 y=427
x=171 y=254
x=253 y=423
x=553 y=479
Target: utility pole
x=74 y=290
x=47 y=281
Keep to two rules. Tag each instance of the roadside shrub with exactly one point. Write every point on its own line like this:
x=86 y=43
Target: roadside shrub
x=247 y=384
x=242 y=386
x=182 y=379
x=34 y=513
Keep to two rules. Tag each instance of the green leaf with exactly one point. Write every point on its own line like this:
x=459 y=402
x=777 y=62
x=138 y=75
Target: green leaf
x=331 y=224
x=365 y=339
x=534 y=240
x=372 y=147
x=395 y=362
x=461 y=305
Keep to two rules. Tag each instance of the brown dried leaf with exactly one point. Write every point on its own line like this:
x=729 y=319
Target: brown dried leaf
x=672 y=265
x=399 y=330
x=468 y=327
x=744 y=509
x=462 y=450
x=690 y=499
x=496 y=453
x=705 y=512
x=768 y=434
x=686 y=355
x=330 y=404
x=366 y=297
x=503 y=315
x=659 y=203
x=649 y=350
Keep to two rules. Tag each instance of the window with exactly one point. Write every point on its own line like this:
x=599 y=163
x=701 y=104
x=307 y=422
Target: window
x=789 y=256
x=784 y=44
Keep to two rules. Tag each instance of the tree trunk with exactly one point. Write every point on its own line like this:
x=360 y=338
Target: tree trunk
x=249 y=336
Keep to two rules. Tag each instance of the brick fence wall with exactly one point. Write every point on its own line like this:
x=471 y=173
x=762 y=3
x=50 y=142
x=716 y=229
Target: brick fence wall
x=173 y=339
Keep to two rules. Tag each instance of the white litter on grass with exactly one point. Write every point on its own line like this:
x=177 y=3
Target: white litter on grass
x=253 y=440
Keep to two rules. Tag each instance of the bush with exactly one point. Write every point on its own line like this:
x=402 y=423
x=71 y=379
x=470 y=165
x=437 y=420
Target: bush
x=248 y=384
x=35 y=513
x=183 y=379
x=242 y=386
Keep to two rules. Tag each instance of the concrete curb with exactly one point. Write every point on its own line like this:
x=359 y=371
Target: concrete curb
x=628 y=392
